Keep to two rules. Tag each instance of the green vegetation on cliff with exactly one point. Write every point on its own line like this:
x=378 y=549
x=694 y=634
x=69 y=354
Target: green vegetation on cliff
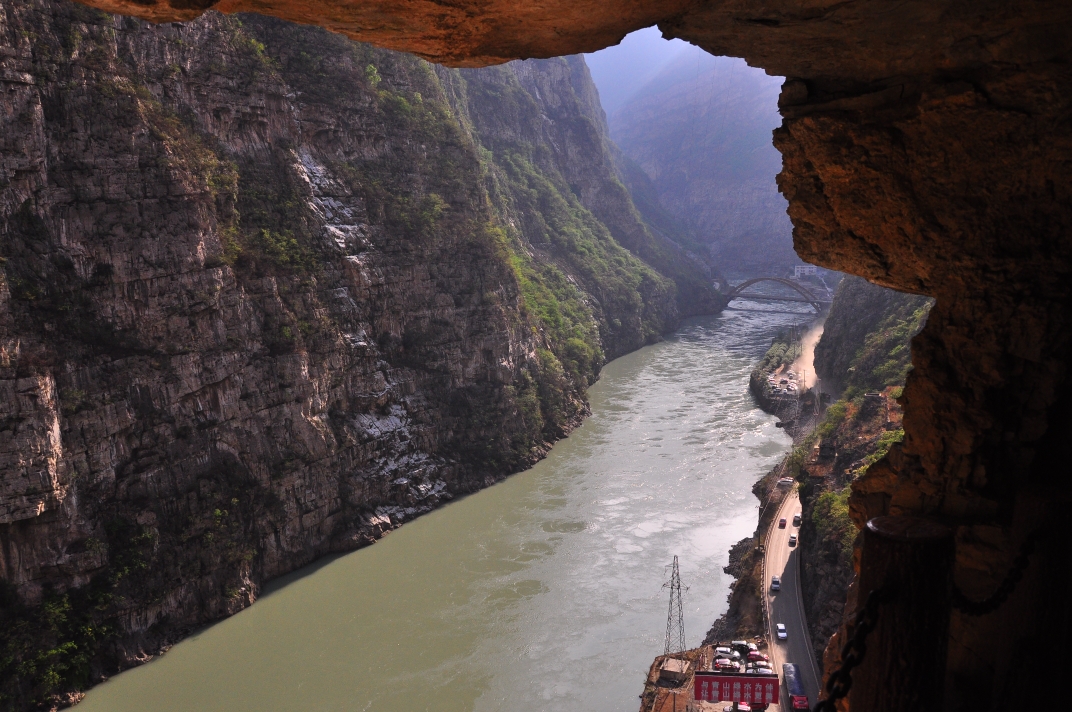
x=866 y=339
x=830 y=516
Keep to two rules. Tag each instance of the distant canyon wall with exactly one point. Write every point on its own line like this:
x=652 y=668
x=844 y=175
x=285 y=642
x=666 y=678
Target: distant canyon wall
x=701 y=132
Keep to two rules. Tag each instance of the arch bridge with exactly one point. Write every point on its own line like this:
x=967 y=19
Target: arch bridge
x=818 y=302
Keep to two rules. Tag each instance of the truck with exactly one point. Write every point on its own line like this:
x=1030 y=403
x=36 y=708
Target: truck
x=798 y=699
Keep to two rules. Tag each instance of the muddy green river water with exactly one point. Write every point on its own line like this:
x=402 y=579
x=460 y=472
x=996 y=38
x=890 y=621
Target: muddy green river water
x=541 y=593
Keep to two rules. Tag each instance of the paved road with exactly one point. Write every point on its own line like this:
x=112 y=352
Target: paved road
x=786 y=606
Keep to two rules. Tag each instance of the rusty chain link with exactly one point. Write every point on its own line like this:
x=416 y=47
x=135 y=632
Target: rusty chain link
x=1019 y=565
x=852 y=654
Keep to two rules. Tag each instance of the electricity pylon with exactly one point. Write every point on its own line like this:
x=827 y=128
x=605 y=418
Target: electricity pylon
x=675 y=615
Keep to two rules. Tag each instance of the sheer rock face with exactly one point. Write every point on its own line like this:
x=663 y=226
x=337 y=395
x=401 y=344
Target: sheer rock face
x=244 y=419
x=248 y=318
x=926 y=147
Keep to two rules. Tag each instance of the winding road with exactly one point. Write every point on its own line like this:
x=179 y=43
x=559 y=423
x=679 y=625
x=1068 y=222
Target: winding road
x=787 y=606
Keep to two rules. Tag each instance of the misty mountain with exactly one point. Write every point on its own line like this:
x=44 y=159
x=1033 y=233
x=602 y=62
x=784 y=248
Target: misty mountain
x=623 y=70
x=701 y=132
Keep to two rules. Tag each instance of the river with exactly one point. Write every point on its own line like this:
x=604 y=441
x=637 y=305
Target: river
x=542 y=593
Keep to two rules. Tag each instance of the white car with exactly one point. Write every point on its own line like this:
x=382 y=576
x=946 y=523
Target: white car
x=776 y=583
x=780 y=630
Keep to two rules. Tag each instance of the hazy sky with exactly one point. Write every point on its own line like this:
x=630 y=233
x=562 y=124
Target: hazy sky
x=621 y=70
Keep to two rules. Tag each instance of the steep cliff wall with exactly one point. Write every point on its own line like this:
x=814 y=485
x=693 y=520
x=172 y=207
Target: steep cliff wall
x=262 y=298
x=866 y=341
x=543 y=124
x=864 y=355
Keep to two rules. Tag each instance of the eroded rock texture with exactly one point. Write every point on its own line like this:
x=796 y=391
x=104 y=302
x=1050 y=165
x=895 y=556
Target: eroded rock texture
x=267 y=293
x=926 y=146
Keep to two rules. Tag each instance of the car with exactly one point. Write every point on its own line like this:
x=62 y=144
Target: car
x=753 y=646
x=792 y=540
x=775 y=584
x=762 y=664
x=780 y=631
x=742 y=706
x=784 y=381
x=781 y=523
x=785 y=482
x=796 y=519
x=756 y=656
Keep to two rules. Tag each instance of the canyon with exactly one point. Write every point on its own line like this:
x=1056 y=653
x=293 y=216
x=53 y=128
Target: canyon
x=926 y=149
x=267 y=294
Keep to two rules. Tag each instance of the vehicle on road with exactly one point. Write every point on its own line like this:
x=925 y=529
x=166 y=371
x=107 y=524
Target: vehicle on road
x=798 y=699
x=792 y=540
x=730 y=653
x=780 y=630
x=741 y=646
x=776 y=583
x=785 y=482
x=781 y=523
x=796 y=519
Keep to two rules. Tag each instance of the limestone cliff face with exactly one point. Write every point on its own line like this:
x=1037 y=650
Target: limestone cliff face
x=261 y=300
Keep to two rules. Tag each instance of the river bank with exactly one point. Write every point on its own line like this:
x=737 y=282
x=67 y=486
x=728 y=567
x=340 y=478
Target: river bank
x=544 y=587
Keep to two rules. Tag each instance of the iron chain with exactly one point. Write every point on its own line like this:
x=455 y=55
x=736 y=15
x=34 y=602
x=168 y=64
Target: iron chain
x=852 y=654
x=978 y=608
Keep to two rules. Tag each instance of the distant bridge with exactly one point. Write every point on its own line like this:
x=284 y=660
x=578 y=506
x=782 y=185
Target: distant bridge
x=818 y=302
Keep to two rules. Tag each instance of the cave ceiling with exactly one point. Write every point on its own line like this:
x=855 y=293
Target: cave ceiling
x=861 y=41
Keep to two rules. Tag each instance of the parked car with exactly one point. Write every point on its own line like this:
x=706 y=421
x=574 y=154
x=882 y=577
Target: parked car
x=796 y=519
x=792 y=540
x=781 y=523
x=776 y=583
x=741 y=706
x=785 y=482
x=753 y=646
x=729 y=653
x=741 y=646
x=780 y=631
x=756 y=655
x=762 y=664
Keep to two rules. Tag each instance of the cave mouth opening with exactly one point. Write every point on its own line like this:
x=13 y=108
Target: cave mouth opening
x=926 y=150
